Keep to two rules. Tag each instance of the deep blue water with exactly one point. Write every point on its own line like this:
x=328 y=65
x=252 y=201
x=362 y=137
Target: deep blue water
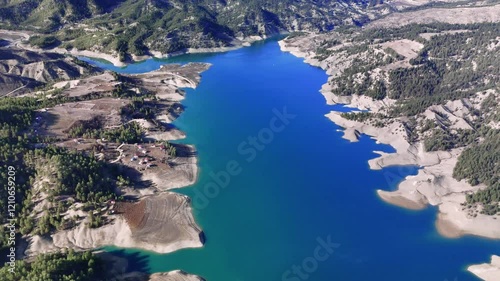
x=302 y=182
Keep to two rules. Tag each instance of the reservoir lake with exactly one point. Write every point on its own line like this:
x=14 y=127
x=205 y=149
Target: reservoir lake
x=281 y=196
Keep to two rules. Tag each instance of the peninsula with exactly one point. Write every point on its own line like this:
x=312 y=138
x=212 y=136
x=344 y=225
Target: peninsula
x=415 y=86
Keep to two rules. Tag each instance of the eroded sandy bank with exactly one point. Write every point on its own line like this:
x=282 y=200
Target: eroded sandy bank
x=434 y=184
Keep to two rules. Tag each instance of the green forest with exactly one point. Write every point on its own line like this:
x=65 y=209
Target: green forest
x=131 y=27
x=64 y=266
x=78 y=175
x=479 y=164
x=128 y=133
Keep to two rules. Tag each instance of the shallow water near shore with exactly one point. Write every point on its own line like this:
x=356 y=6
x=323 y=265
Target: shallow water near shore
x=301 y=185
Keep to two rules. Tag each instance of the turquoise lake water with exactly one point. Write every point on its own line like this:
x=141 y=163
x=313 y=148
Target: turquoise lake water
x=304 y=185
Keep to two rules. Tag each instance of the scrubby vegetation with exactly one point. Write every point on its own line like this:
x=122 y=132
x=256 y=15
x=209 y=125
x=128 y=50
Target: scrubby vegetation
x=358 y=116
x=140 y=108
x=445 y=139
x=127 y=133
x=51 y=180
x=49 y=15
x=64 y=174
x=76 y=174
x=68 y=266
x=449 y=67
x=15 y=116
x=136 y=27
x=479 y=164
x=356 y=79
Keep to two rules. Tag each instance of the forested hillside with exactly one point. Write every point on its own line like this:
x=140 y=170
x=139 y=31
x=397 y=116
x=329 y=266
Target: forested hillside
x=450 y=66
x=480 y=164
x=64 y=174
x=72 y=151
x=50 y=14
x=59 y=266
x=139 y=26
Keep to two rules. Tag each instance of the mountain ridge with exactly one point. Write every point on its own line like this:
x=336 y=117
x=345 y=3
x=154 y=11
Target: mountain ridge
x=138 y=27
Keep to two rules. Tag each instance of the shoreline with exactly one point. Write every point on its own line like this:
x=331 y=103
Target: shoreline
x=434 y=176
x=111 y=58
x=115 y=61
x=444 y=223
x=433 y=185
